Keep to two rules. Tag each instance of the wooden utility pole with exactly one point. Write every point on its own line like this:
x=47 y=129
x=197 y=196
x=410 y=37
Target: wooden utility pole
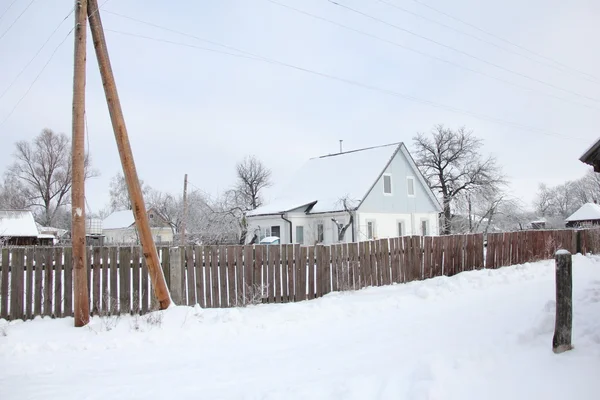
x=82 y=302
x=161 y=291
x=185 y=206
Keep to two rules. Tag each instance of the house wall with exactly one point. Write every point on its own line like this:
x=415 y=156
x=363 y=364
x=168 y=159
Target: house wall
x=308 y=222
x=386 y=225
x=399 y=202
x=128 y=235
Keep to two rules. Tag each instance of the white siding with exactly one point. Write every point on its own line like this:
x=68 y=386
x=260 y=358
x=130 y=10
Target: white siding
x=129 y=236
x=386 y=225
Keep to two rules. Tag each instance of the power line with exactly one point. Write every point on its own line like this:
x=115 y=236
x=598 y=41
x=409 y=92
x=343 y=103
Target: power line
x=36 y=78
x=7 y=8
x=357 y=84
x=489 y=42
x=424 y=54
x=463 y=52
x=36 y=54
x=19 y=17
x=502 y=39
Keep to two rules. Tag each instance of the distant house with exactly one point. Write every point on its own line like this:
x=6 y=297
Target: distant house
x=18 y=228
x=119 y=228
x=381 y=187
x=588 y=214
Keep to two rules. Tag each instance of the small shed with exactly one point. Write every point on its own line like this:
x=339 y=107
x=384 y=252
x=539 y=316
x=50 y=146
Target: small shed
x=588 y=214
x=18 y=228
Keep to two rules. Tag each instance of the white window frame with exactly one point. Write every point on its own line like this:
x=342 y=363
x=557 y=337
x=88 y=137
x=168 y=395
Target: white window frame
x=302 y=228
x=428 y=233
x=414 y=188
x=391 y=184
x=400 y=231
x=373 y=229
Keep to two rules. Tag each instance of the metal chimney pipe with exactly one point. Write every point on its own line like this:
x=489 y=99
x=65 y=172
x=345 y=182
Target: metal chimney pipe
x=341 y=151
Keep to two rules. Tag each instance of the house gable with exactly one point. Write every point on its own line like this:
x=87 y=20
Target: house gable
x=398 y=200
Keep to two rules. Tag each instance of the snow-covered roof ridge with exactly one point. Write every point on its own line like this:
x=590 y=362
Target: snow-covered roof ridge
x=587 y=212
x=119 y=219
x=325 y=180
x=17 y=223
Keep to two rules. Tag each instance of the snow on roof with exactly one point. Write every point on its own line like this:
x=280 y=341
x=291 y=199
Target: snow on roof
x=327 y=179
x=586 y=212
x=119 y=220
x=17 y=223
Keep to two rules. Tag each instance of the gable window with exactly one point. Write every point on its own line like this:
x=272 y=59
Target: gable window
x=320 y=233
x=300 y=234
x=410 y=186
x=400 y=229
x=424 y=227
x=387 y=184
x=370 y=229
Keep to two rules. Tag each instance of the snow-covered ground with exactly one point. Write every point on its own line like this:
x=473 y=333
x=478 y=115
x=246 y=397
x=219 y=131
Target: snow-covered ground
x=478 y=335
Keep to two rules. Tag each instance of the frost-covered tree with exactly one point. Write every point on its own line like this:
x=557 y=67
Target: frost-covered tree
x=119 y=194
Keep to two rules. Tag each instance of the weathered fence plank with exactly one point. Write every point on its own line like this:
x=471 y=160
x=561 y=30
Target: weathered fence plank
x=214 y=274
x=290 y=273
x=4 y=284
x=30 y=256
x=231 y=283
x=58 y=278
x=277 y=265
x=96 y=265
x=135 y=281
x=17 y=264
x=190 y=277
x=114 y=286
x=208 y=276
x=260 y=277
x=124 y=280
x=427 y=250
x=248 y=272
x=301 y=268
x=105 y=287
x=311 y=273
x=145 y=286
x=49 y=281
x=223 y=275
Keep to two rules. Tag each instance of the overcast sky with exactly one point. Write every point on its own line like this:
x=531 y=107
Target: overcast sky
x=193 y=111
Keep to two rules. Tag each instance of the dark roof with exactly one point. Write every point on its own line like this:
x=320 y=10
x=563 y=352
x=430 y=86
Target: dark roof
x=592 y=156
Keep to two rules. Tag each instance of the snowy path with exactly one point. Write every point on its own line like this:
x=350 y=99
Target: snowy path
x=478 y=335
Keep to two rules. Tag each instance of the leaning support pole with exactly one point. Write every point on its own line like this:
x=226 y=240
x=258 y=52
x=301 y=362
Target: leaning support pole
x=82 y=302
x=561 y=341
x=133 y=184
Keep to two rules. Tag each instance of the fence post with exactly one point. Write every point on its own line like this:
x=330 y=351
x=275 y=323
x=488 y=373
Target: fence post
x=176 y=275
x=561 y=341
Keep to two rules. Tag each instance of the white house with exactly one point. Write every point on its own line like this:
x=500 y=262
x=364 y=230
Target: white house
x=119 y=228
x=385 y=194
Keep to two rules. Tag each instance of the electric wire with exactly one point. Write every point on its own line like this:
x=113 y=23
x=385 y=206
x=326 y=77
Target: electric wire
x=17 y=19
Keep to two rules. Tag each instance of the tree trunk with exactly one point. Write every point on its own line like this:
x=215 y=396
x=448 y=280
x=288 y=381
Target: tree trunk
x=447 y=217
x=561 y=341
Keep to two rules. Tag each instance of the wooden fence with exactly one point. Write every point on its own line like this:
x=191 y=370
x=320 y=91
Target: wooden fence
x=38 y=280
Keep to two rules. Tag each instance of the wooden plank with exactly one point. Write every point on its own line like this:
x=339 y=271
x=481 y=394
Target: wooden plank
x=393 y=265
x=310 y=268
x=301 y=289
x=199 y=275
x=104 y=292
x=231 y=281
x=386 y=274
x=290 y=273
x=238 y=271
x=335 y=260
x=327 y=271
x=96 y=273
x=376 y=262
x=343 y=273
x=4 y=284
x=165 y=262
x=260 y=279
x=17 y=264
x=489 y=252
x=367 y=265
x=88 y=272
x=68 y=281
x=297 y=263
x=276 y=274
x=214 y=276
x=319 y=261
x=360 y=265
x=248 y=272
x=427 y=257
x=30 y=257
x=353 y=269
x=49 y=281
x=436 y=269
x=145 y=286
x=418 y=256
x=124 y=280
x=406 y=258
x=284 y=273
x=113 y=297
x=223 y=275
x=208 y=275
x=190 y=276
x=135 y=280
x=38 y=281
x=58 y=279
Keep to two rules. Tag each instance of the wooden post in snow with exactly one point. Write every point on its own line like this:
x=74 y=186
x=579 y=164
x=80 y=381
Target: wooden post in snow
x=161 y=291
x=561 y=341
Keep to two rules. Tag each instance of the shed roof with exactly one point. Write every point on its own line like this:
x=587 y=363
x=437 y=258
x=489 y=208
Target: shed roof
x=587 y=212
x=17 y=223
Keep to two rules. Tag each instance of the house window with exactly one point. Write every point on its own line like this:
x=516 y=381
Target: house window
x=151 y=216
x=276 y=231
x=320 y=233
x=300 y=234
x=400 y=229
x=410 y=181
x=370 y=229
x=387 y=184
x=425 y=227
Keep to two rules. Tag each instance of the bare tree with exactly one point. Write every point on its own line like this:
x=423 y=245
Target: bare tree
x=12 y=195
x=349 y=207
x=252 y=178
x=43 y=168
x=119 y=194
x=452 y=164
